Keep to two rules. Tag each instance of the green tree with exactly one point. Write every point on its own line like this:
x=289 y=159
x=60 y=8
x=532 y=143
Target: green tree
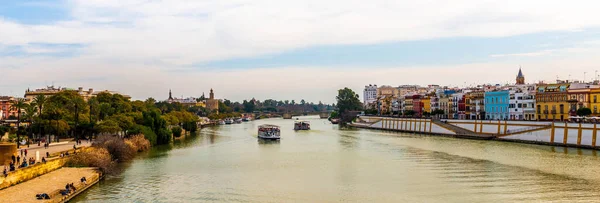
x=347 y=101
x=584 y=111
x=18 y=105
x=108 y=126
x=3 y=131
x=176 y=131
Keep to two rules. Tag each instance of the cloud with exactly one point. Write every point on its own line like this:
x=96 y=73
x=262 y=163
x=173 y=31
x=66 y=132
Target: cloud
x=139 y=46
x=537 y=53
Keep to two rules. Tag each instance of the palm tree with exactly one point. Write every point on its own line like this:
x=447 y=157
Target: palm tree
x=30 y=111
x=18 y=105
x=40 y=101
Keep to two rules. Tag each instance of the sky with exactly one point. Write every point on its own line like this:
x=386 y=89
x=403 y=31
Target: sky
x=291 y=50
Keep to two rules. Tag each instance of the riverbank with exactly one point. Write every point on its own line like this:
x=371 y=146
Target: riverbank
x=575 y=135
x=51 y=183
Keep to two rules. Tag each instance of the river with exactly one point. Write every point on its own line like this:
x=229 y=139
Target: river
x=228 y=164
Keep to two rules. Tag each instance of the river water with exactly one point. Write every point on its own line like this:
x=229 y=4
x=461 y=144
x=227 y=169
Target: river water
x=228 y=164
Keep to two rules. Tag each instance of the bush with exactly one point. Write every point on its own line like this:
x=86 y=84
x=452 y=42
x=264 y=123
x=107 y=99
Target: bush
x=93 y=157
x=163 y=136
x=119 y=150
x=176 y=131
x=139 y=143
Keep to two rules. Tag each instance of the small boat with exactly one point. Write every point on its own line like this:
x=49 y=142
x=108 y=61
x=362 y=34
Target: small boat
x=245 y=119
x=335 y=121
x=228 y=121
x=238 y=120
x=221 y=122
x=302 y=125
x=267 y=131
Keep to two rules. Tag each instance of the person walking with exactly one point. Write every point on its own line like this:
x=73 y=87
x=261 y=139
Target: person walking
x=25 y=152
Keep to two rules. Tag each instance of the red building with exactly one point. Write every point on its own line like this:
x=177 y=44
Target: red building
x=462 y=107
x=5 y=110
x=417 y=105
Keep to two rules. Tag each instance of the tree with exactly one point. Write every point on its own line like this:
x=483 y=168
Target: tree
x=108 y=126
x=584 y=111
x=18 y=105
x=347 y=101
x=3 y=130
x=176 y=131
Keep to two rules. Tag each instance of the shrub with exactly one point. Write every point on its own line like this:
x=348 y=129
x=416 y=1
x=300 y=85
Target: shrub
x=93 y=157
x=163 y=136
x=139 y=142
x=118 y=149
x=176 y=131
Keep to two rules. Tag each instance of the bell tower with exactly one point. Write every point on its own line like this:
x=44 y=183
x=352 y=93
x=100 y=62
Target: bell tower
x=211 y=95
x=520 y=78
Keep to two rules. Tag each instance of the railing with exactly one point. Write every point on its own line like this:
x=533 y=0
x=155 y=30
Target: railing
x=527 y=129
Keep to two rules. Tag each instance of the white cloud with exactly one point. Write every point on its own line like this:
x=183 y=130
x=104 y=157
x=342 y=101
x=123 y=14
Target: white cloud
x=133 y=43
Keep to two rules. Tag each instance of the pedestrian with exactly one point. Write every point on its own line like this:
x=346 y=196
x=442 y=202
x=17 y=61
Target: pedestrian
x=25 y=152
x=21 y=152
x=18 y=159
x=13 y=158
x=5 y=172
x=43 y=160
x=48 y=154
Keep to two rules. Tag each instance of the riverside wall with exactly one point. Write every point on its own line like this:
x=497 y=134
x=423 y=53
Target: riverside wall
x=25 y=174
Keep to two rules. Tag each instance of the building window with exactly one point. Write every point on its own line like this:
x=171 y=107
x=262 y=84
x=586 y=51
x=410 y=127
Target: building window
x=595 y=101
x=539 y=109
x=562 y=108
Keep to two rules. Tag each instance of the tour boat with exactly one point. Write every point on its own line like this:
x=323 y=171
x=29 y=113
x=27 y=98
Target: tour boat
x=301 y=125
x=269 y=132
x=228 y=121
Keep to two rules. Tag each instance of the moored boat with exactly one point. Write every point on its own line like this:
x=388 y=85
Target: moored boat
x=268 y=131
x=245 y=119
x=229 y=121
x=238 y=120
x=302 y=125
x=221 y=122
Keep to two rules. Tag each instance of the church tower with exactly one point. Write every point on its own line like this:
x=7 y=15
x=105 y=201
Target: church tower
x=211 y=95
x=520 y=78
x=170 y=95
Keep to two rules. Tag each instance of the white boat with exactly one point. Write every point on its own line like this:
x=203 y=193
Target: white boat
x=229 y=121
x=269 y=132
x=221 y=122
x=246 y=119
x=238 y=120
x=302 y=125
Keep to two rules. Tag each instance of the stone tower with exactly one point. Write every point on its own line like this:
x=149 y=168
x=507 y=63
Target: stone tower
x=520 y=78
x=211 y=95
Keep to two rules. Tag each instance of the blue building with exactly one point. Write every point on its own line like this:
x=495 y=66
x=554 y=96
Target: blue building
x=496 y=105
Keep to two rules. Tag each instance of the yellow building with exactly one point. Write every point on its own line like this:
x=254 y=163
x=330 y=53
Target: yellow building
x=212 y=104
x=594 y=101
x=426 y=104
x=552 y=102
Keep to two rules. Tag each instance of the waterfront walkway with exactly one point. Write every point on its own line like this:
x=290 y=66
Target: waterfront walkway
x=51 y=184
x=54 y=150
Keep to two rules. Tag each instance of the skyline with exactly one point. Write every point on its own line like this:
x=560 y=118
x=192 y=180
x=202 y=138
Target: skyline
x=290 y=50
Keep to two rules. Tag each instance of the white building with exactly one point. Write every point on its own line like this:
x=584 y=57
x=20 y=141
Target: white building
x=369 y=95
x=521 y=103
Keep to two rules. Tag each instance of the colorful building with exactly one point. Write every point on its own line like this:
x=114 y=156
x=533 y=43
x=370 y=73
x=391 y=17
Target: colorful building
x=5 y=107
x=595 y=101
x=496 y=105
x=552 y=102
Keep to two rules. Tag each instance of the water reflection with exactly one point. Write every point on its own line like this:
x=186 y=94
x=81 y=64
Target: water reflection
x=326 y=164
x=268 y=141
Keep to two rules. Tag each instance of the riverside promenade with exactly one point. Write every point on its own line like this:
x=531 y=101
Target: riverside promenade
x=55 y=149
x=579 y=135
x=51 y=184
